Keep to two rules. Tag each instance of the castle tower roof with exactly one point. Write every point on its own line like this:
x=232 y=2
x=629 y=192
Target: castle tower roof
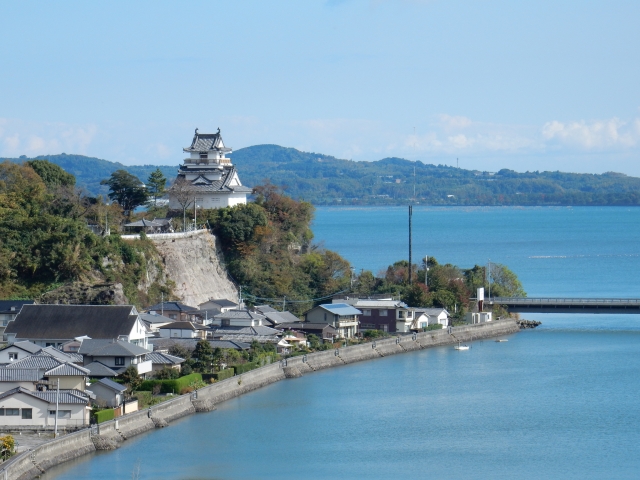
x=207 y=142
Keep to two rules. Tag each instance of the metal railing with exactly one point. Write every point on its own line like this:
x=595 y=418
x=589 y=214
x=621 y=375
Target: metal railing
x=563 y=301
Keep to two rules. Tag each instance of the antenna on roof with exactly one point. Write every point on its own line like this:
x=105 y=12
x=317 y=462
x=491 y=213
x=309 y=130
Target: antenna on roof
x=196 y=131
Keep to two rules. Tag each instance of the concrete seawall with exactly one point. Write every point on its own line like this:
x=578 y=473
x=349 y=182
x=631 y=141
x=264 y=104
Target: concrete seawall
x=108 y=435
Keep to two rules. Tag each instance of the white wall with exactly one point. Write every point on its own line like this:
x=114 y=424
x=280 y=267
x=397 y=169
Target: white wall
x=4 y=354
x=40 y=412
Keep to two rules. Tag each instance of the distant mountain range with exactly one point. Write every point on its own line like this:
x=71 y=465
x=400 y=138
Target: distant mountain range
x=326 y=180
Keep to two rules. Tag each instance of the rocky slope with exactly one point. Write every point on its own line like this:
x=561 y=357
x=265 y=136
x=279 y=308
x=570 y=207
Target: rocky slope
x=195 y=266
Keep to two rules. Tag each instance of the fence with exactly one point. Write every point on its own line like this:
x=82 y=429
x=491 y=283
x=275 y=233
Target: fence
x=165 y=236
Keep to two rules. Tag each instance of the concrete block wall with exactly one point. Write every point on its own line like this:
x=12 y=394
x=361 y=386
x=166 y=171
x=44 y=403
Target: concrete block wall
x=173 y=409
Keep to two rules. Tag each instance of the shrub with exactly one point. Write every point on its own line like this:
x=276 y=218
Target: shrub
x=171 y=386
x=433 y=326
x=223 y=374
x=244 y=367
x=104 y=415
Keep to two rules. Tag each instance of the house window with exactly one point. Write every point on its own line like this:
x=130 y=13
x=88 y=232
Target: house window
x=2 y=412
x=384 y=328
x=367 y=326
x=401 y=313
x=423 y=325
x=172 y=316
x=366 y=313
x=12 y=411
x=61 y=413
x=27 y=413
x=383 y=313
x=119 y=361
x=13 y=356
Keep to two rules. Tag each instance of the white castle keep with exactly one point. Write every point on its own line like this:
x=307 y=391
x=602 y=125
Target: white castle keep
x=208 y=175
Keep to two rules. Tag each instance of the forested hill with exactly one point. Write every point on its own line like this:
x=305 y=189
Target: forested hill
x=326 y=180
x=89 y=171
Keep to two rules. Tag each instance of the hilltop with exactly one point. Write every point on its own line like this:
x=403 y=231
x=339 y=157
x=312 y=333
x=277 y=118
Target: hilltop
x=326 y=180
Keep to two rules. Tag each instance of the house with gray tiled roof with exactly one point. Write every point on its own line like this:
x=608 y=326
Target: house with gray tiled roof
x=160 y=360
x=208 y=175
x=18 y=351
x=20 y=407
x=54 y=325
x=116 y=354
x=239 y=318
x=108 y=393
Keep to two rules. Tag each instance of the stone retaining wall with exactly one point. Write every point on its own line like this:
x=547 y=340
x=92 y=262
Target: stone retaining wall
x=30 y=464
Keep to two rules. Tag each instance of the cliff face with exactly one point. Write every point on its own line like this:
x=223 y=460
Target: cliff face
x=196 y=267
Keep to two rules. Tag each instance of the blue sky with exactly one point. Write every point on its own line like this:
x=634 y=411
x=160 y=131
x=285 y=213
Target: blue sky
x=526 y=85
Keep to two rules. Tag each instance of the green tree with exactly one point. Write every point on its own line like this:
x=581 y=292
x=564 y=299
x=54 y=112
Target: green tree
x=127 y=190
x=52 y=175
x=156 y=184
x=416 y=295
x=203 y=354
x=167 y=373
x=131 y=378
x=505 y=283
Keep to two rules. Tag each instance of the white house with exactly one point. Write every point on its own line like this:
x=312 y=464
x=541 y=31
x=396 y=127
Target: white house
x=239 y=318
x=18 y=351
x=478 y=317
x=108 y=392
x=182 y=330
x=425 y=317
x=20 y=407
x=117 y=355
x=207 y=176
x=54 y=325
x=221 y=304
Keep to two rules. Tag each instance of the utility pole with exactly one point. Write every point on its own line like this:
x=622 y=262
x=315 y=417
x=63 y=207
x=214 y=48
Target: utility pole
x=489 y=279
x=55 y=429
x=426 y=269
x=162 y=304
x=410 y=265
x=284 y=303
x=240 y=297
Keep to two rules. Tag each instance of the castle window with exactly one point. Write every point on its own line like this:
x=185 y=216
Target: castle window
x=203 y=156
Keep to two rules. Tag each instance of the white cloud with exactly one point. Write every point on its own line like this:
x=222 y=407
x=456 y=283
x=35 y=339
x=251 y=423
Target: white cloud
x=599 y=134
x=40 y=138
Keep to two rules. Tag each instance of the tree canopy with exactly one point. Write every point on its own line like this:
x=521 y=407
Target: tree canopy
x=127 y=190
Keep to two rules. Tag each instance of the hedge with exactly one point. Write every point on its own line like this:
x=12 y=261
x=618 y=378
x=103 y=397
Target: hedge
x=245 y=367
x=104 y=415
x=171 y=386
x=224 y=374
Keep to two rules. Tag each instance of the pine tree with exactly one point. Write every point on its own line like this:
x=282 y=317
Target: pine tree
x=156 y=184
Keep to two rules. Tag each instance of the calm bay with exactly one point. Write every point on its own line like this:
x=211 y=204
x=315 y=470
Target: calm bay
x=557 y=401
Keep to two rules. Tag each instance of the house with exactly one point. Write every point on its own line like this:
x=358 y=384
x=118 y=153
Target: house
x=207 y=176
x=154 y=321
x=70 y=376
x=183 y=330
x=20 y=407
x=238 y=318
x=53 y=325
x=18 y=351
x=283 y=347
x=9 y=309
x=425 y=317
x=259 y=334
x=383 y=314
x=478 y=317
x=221 y=304
x=161 y=360
x=28 y=378
x=116 y=354
x=108 y=393
x=274 y=317
x=100 y=370
x=343 y=317
x=176 y=311
x=324 y=331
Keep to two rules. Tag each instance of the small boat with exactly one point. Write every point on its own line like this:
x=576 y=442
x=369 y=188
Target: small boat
x=502 y=340
x=461 y=347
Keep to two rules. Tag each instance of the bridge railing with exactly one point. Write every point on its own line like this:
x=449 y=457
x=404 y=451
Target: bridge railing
x=564 y=301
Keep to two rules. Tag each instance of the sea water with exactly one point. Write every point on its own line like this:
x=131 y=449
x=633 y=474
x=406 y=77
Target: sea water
x=559 y=401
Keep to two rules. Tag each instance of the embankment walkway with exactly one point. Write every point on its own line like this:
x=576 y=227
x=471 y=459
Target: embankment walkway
x=108 y=435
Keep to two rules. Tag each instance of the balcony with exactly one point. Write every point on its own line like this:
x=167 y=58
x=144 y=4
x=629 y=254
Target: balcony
x=144 y=367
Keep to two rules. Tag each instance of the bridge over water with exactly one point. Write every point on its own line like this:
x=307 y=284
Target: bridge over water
x=567 y=305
